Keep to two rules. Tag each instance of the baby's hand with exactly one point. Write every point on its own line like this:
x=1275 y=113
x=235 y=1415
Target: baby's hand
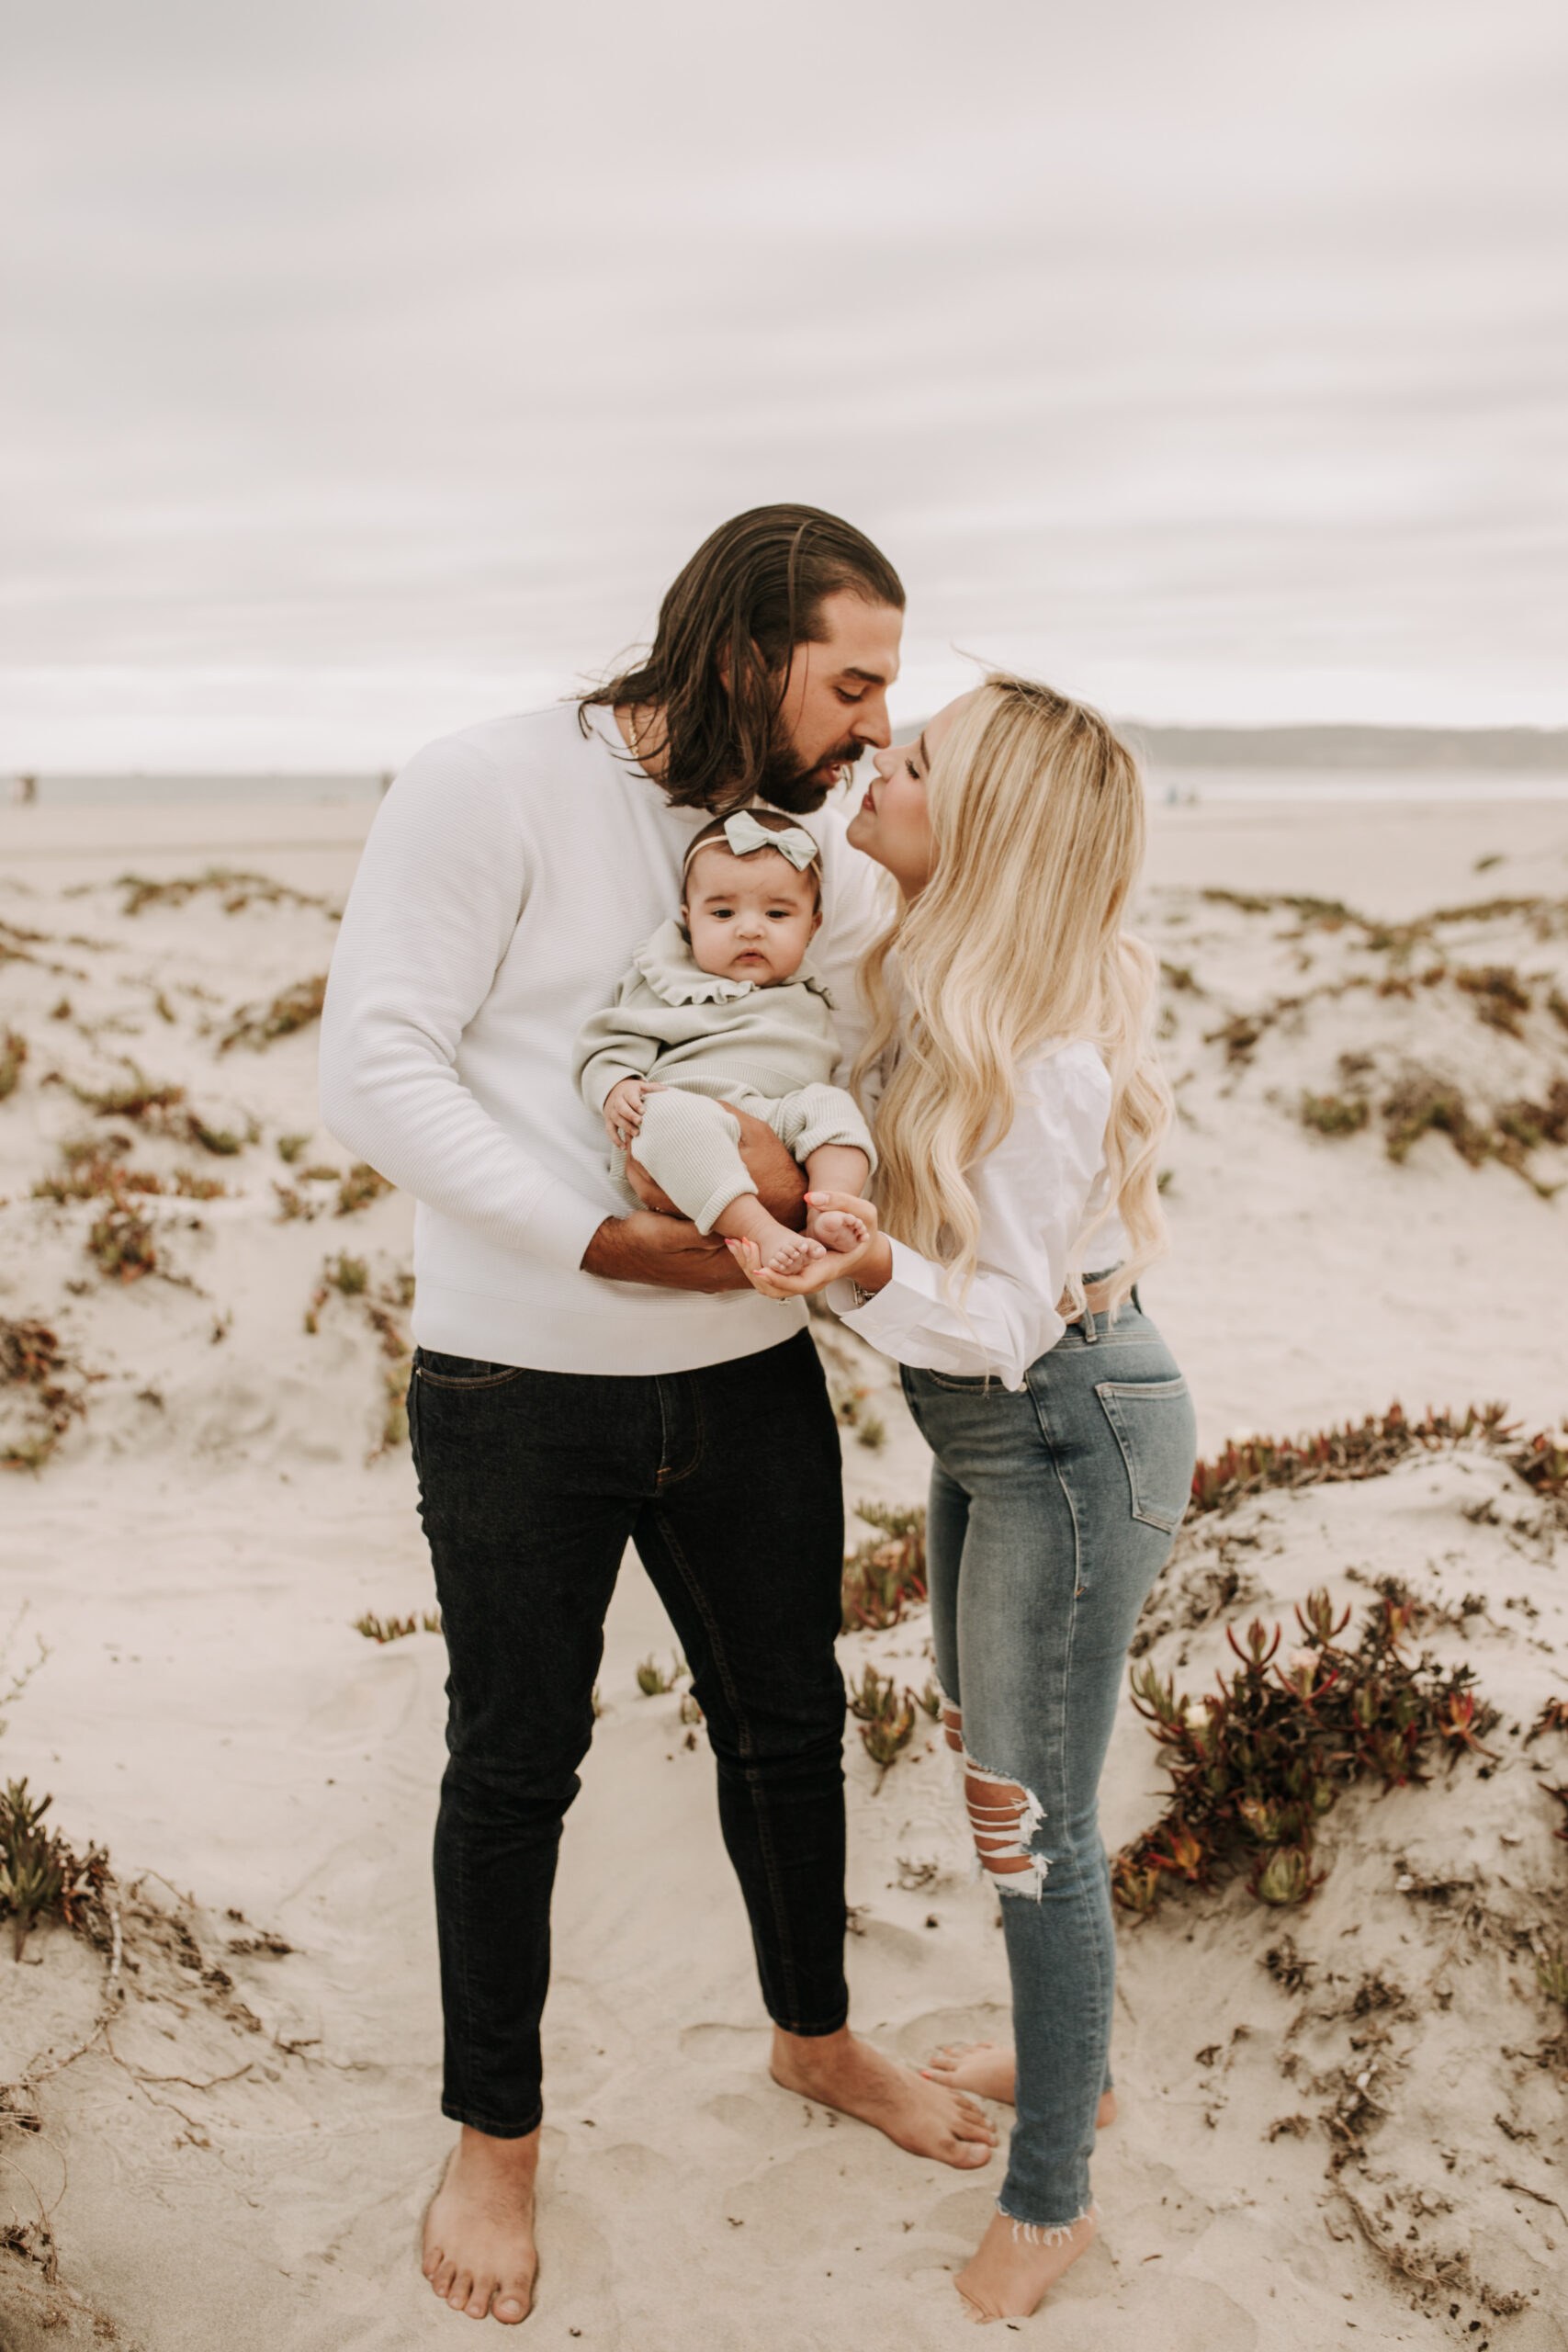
x=835 y=1228
x=623 y=1109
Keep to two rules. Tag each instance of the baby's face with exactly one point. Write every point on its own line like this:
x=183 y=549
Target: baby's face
x=748 y=917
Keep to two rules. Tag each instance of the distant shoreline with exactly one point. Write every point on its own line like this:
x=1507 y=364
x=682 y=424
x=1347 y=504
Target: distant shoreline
x=1445 y=754
x=1479 y=750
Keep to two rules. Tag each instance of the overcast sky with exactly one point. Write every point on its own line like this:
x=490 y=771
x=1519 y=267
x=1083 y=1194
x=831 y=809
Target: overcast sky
x=370 y=365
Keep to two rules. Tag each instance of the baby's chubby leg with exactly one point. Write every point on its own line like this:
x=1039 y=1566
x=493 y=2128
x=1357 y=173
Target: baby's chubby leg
x=689 y=1145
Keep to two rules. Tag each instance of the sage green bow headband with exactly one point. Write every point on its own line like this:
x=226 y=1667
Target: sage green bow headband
x=745 y=836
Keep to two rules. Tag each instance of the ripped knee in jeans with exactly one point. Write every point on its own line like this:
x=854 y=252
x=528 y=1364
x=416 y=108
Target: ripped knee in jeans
x=1003 y=1817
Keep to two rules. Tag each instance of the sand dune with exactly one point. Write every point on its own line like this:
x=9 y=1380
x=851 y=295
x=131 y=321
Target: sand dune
x=237 y=2150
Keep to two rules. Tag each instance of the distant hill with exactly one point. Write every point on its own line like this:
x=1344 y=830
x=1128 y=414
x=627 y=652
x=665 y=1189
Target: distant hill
x=1538 y=750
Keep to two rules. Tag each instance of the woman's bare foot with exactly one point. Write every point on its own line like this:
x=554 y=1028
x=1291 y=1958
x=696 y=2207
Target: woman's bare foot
x=1014 y=2268
x=479 y=2234
x=782 y=1252
x=987 y=2069
x=844 y=2072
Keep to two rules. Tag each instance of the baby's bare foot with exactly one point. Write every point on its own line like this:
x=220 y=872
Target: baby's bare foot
x=479 y=2233
x=836 y=1228
x=1015 y=2266
x=793 y=1254
x=782 y=1252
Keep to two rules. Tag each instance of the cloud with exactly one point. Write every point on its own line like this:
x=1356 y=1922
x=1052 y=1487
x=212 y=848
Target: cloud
x=1216 y=350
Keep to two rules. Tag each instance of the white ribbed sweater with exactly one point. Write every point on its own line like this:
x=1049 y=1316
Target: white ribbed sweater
x=510 y=872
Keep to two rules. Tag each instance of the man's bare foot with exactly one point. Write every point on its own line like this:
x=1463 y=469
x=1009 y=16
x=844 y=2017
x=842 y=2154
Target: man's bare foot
x=1015 y=2267
x=987 y=2069
x=843 y=2071
x=835 y=1228
x=782 y=1252
x=479 y=2234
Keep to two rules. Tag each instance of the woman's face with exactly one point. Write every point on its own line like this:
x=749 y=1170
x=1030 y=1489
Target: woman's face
x=892 y=823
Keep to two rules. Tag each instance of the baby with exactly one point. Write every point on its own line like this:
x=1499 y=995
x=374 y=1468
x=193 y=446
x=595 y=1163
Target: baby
x=723 y=1008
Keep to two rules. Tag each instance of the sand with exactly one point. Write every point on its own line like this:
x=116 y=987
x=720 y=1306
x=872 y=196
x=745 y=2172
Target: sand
x=240 y=2156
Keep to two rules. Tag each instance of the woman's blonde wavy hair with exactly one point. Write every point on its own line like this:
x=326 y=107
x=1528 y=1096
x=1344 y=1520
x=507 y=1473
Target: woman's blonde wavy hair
x=1037 y=810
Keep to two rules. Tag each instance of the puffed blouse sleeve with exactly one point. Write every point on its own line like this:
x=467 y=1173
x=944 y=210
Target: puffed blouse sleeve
x=1033 y=1190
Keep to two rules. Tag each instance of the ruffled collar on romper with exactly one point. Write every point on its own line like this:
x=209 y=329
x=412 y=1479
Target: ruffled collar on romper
x=665 y=963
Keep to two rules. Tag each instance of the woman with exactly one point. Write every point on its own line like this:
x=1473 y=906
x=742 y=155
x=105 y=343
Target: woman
x=1020 y=1119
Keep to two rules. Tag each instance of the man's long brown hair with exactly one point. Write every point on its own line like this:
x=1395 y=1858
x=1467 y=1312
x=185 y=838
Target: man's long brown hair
x=753 y=592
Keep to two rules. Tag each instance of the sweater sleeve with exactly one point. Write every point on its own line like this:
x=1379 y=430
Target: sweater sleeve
x=608 y=1049
x=434 y=906
x=1032 y=1191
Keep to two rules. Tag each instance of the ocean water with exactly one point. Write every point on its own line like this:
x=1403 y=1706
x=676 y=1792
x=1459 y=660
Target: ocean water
x=141 y=787
x=1169 y=785
x=1178 y=786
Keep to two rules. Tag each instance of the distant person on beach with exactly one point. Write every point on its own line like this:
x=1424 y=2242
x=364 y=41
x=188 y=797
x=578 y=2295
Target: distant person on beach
x=1020 y=1119
x=588 y=1375
x=720 y=1007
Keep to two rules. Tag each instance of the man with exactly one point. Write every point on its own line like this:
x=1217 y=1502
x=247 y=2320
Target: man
x=585 y=1377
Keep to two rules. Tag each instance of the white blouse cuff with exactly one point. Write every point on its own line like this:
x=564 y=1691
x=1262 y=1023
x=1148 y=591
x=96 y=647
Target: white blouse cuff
x=901 y=1305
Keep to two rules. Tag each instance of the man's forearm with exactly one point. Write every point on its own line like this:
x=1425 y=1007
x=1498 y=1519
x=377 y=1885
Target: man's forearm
x=664 y=1251
x=773 y=1168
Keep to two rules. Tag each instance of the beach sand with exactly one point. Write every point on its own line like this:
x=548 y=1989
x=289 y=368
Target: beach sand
x=237 y=2151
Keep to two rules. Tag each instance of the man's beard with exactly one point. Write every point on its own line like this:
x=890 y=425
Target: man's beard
x=788 y=784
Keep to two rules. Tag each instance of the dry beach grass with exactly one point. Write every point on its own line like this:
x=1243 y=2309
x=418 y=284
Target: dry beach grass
x=1341 y=2118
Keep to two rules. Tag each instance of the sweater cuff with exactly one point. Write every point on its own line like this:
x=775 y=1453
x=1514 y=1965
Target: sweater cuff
x=561 y=1225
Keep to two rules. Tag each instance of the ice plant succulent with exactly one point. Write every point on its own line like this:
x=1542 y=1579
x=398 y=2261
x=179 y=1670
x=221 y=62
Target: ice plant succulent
x=887 y=1574
x=1256 y=1764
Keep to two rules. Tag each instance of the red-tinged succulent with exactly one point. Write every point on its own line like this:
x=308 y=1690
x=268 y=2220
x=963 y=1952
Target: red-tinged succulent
x=1284 y=1877
x=1136 y=1890
x=1368 y=1449
x=1257 y=1766
x=1260 y=1648
x=1178 y=1850
x=1461 y=1722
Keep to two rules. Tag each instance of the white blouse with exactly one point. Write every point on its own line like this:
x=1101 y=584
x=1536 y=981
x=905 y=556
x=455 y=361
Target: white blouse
x=1035 y=1191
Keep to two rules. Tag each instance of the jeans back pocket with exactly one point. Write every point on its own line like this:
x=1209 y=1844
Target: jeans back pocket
x=1153 y=1425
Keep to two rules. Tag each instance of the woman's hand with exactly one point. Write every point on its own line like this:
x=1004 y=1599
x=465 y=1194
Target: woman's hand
x=869 y=1262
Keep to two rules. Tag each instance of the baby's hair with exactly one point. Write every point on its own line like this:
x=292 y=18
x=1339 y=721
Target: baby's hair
x=713 y=835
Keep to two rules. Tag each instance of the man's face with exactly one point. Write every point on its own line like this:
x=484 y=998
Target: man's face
x=835 y=702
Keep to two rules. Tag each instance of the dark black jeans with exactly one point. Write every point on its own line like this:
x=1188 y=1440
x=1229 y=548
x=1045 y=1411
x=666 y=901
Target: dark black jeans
x=531 y=1484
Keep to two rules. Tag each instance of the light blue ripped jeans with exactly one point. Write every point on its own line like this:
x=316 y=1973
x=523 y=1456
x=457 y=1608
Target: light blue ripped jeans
x=1052 y=1510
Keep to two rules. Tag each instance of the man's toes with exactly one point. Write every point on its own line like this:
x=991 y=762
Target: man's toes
x=440 y=2270
x=972 y=2125
x=511 y=2307
x=479 y=2302
x=462 y=2287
